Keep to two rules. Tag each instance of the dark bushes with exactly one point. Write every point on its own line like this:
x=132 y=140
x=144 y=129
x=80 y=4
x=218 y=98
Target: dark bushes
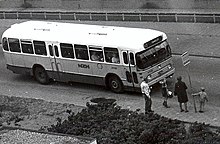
x=110 y=124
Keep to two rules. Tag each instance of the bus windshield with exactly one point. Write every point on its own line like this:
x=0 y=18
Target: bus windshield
x=153 y=55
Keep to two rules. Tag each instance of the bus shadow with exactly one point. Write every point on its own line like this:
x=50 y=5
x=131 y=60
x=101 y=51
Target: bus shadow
x=155 y=89
x=24 y=78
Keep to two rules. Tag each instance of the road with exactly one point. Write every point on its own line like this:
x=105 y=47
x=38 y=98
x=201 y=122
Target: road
x=203 y=71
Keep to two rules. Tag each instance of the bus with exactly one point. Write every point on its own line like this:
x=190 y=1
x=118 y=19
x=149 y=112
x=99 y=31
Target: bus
x=112 y=56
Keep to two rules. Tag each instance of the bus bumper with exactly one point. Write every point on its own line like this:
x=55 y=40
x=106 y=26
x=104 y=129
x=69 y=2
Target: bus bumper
x=166 y=75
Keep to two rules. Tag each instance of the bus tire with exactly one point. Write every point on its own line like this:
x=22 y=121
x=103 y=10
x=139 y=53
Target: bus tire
x=40 y=75
x=115 y=84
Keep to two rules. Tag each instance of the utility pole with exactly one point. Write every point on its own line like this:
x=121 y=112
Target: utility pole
x=186 y=62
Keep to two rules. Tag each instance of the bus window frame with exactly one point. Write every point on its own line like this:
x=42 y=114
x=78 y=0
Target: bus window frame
x=24 y=41
x=40 y=54
x=86 y=51
x=132 y=58
x=99 y=52
x=10 y=47
x=56 y=50
x=125 y=57
x=5 y=43
x=64 y=47
x=108 y=54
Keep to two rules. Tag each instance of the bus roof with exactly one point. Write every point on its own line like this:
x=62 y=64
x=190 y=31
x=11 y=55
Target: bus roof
x=109 y=36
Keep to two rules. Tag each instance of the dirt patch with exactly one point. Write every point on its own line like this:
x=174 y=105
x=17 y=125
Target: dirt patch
x=32 y=113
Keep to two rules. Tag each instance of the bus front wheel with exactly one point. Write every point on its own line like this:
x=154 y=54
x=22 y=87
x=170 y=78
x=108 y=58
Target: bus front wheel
x=115 y=84
x=40 y=75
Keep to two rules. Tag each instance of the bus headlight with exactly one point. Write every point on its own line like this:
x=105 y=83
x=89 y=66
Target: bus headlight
x=149 y=77
x=159 y=66
x=169 y=66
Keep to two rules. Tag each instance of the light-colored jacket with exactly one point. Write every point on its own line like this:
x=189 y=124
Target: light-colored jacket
x=202 y=96
x=145 y=89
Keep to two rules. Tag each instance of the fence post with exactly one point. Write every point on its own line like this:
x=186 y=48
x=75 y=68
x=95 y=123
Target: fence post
x=74 y=16
x=17 y=16
x=214 y=18
x=194 y=18
x=123 y=17
x=31 y=15
x=158 y=20
x=4 y=15
x=90 y=16
x=45 y=16
x=60 y=16
x=140 y=17
x=176 y=19
x=106 y=16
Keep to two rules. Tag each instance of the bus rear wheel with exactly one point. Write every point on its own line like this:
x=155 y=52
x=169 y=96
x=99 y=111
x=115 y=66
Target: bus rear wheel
x=40 y=75
x=115 y=84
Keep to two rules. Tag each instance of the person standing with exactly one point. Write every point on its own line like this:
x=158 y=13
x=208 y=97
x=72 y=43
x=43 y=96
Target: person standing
x=202 y=98
x=145 y=89
x=180 y=92
x=165 y=93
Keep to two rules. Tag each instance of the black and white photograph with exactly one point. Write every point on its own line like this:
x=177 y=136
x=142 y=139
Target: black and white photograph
x=109 y=71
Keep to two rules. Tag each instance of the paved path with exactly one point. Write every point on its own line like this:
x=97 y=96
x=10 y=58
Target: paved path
x=211 y=115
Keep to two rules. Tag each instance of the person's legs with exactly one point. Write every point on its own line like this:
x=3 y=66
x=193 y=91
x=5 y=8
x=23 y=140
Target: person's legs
x=201 y=106
x=165 y=102
x=148 y=105
x=185 y=104
x=181 y=109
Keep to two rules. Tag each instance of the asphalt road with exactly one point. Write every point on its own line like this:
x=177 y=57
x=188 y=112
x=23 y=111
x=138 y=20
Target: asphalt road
x=203 y=71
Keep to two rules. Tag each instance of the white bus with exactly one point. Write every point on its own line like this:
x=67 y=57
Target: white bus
x=115 y=57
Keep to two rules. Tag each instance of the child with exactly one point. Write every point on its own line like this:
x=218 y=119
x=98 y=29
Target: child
x=202 y=98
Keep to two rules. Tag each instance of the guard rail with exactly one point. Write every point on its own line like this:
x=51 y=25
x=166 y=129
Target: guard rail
x=114 y=16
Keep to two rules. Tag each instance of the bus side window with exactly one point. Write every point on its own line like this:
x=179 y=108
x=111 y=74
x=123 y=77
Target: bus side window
x=66 y=50
x=81 y=52
x=51 y=50
x=14 y=45
x=56 y=51
x=5 y=44
x=96 y=54
x=40 y=48
x=132 y=58
x=27 y=47
x=111 y=55
x=125 y=57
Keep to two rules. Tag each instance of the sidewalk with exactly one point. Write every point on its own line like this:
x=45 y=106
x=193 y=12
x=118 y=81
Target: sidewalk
x=210 y=116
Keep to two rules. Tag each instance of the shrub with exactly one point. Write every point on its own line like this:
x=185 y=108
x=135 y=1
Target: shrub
x=110 y=124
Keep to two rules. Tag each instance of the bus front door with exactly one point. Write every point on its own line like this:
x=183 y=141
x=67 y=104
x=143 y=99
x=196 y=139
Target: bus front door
x=56 y=67
x=130 y=69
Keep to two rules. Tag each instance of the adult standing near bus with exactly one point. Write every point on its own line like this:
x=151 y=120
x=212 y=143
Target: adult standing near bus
x=180 y=92
x=145 y=89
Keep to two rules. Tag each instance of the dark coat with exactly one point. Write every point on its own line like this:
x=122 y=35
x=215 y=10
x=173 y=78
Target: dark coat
x=180 y=91
x=164 y=91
